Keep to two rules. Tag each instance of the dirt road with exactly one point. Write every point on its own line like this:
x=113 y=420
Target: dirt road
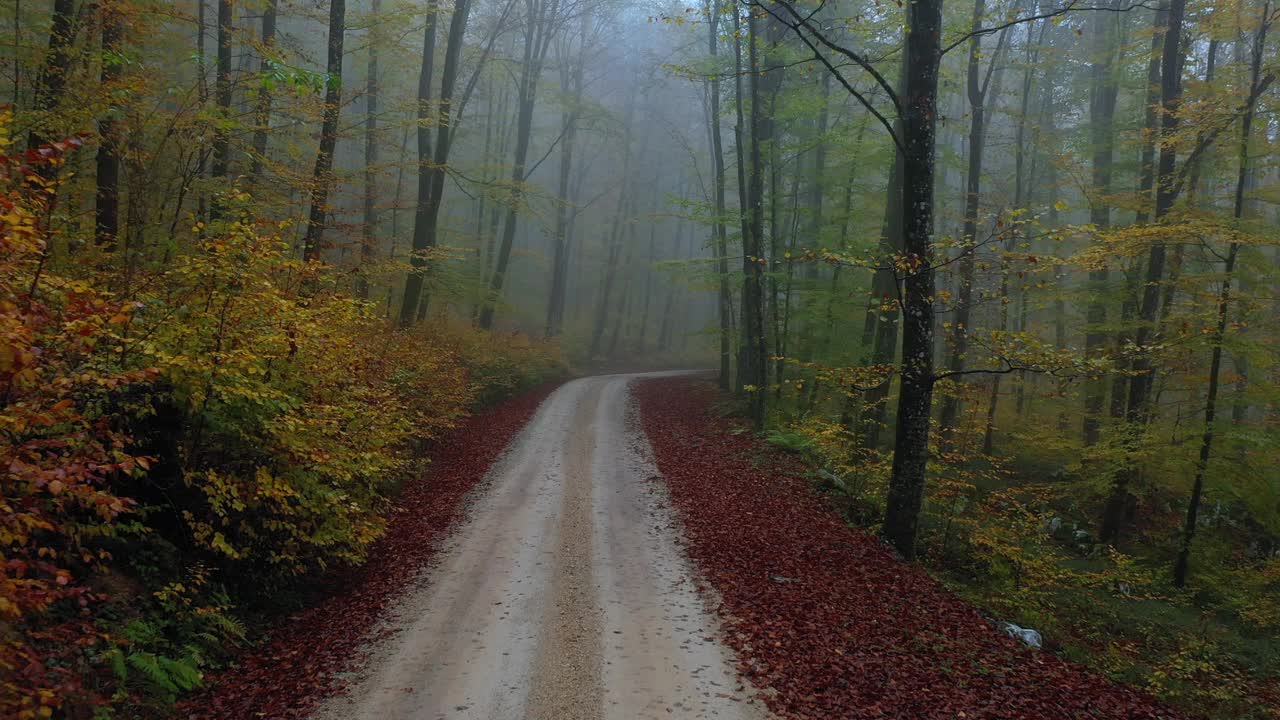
x=562 y=597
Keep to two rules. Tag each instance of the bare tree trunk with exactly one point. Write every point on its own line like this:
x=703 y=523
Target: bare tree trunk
x=53 y=75
x=1019 y=202
x=1138 y=408
x=417 y=260
x=648 y=290
x=977 y=86
x=222 y=93
x=720 y=229
x=541 y=18
x=262 y=113
x=668 y=319
x=911 y=442
x=446 y=117
x=744 y=201
x=619 y=322
x=815 y=195
x=321 y=177
x=625 y=207
x=1181 y=565
x=755 y=353
x=107 y=196
x=369 y=230
x=880 y=323
x=1146 y=183
x=571 y=82
x=1170 y=289
x=1104 y=90
x=503 y=136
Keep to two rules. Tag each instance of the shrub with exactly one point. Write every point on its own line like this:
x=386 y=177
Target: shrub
x=199 y=437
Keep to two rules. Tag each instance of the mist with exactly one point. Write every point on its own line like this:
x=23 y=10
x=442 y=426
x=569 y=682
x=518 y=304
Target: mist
x=1001 y=275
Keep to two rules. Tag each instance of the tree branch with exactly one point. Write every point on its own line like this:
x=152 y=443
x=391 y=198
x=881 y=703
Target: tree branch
x=1069 y=7
x=817 y=55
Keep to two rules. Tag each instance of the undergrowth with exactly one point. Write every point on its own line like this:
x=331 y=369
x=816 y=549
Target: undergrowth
x=1014 y=535
x=189 y=442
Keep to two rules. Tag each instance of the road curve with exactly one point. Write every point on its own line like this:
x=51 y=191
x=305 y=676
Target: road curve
x=562 y=597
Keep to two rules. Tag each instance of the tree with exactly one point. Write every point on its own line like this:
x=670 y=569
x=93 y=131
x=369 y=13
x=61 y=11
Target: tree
x=542 y=22
x=880 y=322
x=754 y=370
x=1103 y=93
x=369 y=231
x=1257 y=83
x=432 y=165
x=321 y=175
x=1138 y=408
x=222 y=93
x=915 y=399
x=262 y=113
x=53 y=75
x=571 y=84
x=107 y=195
x=720 y=228
x=977 y=84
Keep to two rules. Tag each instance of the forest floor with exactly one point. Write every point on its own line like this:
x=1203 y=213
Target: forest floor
x=824 y=615
x=635 y=554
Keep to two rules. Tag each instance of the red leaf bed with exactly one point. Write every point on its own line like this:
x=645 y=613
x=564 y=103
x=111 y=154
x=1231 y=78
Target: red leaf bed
x=300 y=665
x=825 y=619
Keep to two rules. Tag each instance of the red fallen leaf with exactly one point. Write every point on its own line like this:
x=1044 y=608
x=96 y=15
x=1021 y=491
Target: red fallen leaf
x=863 y=635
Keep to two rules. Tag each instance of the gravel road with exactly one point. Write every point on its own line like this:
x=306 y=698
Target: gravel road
x=564 y=596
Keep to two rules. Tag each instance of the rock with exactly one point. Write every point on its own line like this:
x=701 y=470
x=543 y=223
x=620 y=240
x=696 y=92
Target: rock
x=1026 y=635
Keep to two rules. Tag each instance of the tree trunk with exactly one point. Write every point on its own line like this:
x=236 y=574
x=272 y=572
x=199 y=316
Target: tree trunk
x=1019 y=202
x=816 y=195
x=668 y=320
x=417 y=254
x=446 y=117
x=1104 y=90
x=1146 y=182
x=222 y=93
x=321 y=176
x=977 y=94
x=720 y=229
x=1181 y=565
x=1138 y=407
x=571 y=83
x=262 y=113
x=880 y=323
x=755 y=354
x=919 y=114
x=625 y=206
x=538 y=34
x=648 y=290
x=503 y=137
x=107 y=195
x=369 y=230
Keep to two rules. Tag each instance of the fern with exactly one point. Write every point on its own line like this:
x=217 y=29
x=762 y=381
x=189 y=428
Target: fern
x=115 y=658
x=230 y=626
x=170 y=675
x=150 y=666
x=183 y=673
x=142 y=632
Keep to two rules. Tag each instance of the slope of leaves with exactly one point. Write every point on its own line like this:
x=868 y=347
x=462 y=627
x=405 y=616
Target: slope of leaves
x=287 y=676
x=825 y=619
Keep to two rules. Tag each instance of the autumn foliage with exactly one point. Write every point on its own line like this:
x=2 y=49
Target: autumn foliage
x=193 y=437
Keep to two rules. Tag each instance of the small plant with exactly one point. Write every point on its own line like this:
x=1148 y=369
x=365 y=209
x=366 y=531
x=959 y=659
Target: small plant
x=791 y=441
